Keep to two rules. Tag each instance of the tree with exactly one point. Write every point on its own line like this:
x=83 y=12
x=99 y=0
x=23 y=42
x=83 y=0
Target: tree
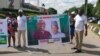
x=73 y=9
x=52 y=11
x=96 y=10
x=89 y=9
x=66 y=11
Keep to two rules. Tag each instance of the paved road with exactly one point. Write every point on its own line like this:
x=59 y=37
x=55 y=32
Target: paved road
x=91 y=47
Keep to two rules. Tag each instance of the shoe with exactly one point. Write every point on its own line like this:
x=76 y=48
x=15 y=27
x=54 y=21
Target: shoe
x=74 y=48
x=78 y=51
x=14 y=46
x=71 y=42
x=24 y=47
x=18 y=46
x=9 y=46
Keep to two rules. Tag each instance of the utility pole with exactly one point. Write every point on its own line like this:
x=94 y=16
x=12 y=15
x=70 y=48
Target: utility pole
x=43 y=6
x=86 y=1
x=38 y=2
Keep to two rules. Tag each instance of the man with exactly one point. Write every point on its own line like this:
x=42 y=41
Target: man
x=41 y=33
x=80 y=24
x=72 y=26
x=11 y=28
x=55 y=30
x=22 y=20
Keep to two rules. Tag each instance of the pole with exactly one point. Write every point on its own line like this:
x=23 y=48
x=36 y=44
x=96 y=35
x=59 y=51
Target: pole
x=43 y=5
x=86 y=1
x=38 y=2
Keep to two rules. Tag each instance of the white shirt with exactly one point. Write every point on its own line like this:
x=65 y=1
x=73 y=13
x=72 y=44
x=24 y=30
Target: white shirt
x=21 y=22
x=80 y=22
x=58 y=35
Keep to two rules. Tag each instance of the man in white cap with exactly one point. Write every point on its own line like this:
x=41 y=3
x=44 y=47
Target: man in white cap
x=22 y=20
x=72 y=26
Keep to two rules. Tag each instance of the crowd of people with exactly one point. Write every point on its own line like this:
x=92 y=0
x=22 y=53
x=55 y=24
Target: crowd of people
x=78 y=26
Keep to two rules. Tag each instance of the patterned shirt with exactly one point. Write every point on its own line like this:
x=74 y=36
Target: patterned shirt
x=42 y=35
x=12 y=25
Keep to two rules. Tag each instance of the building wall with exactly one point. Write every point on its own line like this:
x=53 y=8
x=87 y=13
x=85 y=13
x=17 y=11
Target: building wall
x=5 y=4
x=17 y=4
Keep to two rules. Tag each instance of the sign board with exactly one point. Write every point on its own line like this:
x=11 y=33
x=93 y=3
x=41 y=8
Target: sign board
x=47 y=29
x=3 y=32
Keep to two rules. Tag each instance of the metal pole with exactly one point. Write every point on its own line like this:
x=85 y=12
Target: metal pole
x=86 y=1
x=38 y=2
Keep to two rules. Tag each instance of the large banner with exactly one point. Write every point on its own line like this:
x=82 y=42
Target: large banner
x=48 y=29
x=3 y=32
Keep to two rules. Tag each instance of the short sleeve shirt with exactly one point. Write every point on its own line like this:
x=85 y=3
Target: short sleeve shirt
x=22 y=22
x=80 y=22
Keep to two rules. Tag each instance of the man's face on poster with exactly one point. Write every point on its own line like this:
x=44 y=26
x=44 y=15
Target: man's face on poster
x=41 y=25
x=54 y=29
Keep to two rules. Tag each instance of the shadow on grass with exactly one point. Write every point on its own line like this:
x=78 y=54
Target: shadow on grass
x=90 y=46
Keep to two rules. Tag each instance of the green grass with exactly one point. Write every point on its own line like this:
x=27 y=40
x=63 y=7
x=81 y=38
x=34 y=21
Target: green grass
x=96 y=25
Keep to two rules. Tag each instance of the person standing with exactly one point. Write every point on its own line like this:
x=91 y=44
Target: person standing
x=22 y=20
x=11 y=28
x=80 y=28
x=72 y=26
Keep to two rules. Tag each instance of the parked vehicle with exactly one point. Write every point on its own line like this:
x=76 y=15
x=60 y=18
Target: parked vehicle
x=99 y=22
x=93 y=20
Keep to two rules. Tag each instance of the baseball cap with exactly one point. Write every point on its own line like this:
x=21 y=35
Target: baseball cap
x=20 y=10
x=73 y=12
x=10 y=13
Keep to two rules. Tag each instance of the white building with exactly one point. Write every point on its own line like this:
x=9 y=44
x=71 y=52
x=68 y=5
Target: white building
x=18 y=4
x=5 y=4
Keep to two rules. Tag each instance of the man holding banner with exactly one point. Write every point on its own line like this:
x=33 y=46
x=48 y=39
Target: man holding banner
x=72 y=26
x=12 y=26
x=22 y=21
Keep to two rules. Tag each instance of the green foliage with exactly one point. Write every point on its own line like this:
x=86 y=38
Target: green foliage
x=89 y=9
x=52 y=11
x=96 y=10
x=66 y=11
x=73 y=9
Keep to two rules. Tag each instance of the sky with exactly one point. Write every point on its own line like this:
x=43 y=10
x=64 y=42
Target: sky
x=60 y=5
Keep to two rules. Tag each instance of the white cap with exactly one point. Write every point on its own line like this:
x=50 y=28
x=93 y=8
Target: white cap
x=20 y=10
x=73 y=12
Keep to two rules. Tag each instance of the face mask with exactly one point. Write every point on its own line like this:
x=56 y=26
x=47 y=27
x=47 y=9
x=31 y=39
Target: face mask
x=20 y=14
